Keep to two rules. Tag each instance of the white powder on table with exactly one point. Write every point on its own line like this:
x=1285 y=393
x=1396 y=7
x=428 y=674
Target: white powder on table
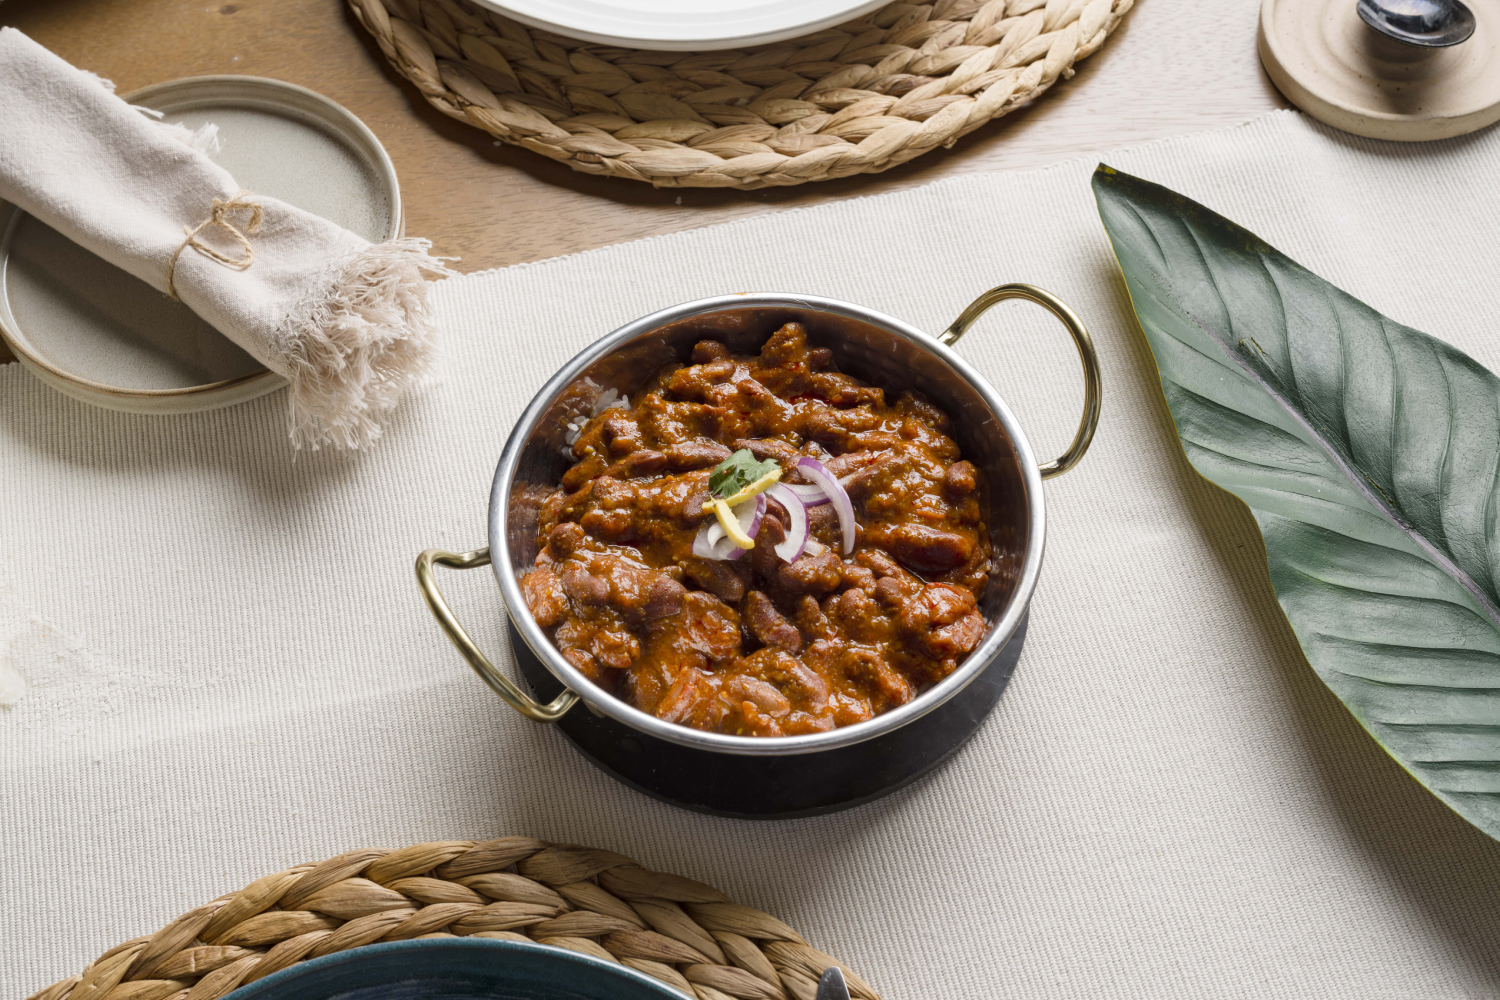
x=49 y=680
x=12 y=683
x=34 y=653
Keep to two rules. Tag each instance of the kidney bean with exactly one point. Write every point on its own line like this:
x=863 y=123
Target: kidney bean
x=762 y=695
x=616 y=649
x=753 y=392
x=891 y=591
x=853 y=604
x=716 y=577
x=878 y=561
x=698 y=454
x=769 y=448
x=959 y=479
x=825 y=428
x=812 y=687
x=564 y=539
x=812 y=574
x=705 y=351
x=622 y=434
x=943 y=618
x=921 y=407
x=874 y=440
x=707 y=626
x=810 y=618
x=692 y=513
x=868 y=664
x=763 y=557
x=928 y=549
x=582 y=472
x=617 y=526
x=842 y=465
x=767 y=624
x=957 y=639
x=861 y=482
x=697 y=381
x=645 y=462
x=582 y=586
x=856 y=575
x=787 y=346
x=663 y=597
x=544 y=596
x=691 y=701
x=585 y=663
x=822 y=520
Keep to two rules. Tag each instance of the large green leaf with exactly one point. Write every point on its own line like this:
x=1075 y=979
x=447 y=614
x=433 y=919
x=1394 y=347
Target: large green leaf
x=1368 y=453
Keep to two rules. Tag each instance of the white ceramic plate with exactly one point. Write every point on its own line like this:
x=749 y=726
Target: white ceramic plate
x=92 y=331
x=683 y=25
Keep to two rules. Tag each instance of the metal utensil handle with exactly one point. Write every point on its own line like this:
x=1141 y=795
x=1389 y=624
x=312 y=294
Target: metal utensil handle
x=498 y=682
x=832 y=986
x=1092 y=386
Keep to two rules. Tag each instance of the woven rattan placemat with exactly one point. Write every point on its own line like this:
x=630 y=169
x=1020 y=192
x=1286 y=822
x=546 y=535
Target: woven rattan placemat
x=856 y=99
x=682 y=932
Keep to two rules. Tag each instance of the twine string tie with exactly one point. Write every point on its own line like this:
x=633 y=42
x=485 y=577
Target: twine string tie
x=222 y=217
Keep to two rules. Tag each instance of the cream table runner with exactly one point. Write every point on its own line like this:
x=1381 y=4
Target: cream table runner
x=230 y=669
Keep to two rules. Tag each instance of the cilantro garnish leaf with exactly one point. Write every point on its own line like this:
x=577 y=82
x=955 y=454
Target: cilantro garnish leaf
x=737 y=472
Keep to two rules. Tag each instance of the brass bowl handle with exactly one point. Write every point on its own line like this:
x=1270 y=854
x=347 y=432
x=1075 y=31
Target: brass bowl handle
x=1092 y=387
x=498 y=682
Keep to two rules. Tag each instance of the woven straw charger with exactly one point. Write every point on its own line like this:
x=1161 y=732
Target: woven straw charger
x=684 y=933
x=856 y=99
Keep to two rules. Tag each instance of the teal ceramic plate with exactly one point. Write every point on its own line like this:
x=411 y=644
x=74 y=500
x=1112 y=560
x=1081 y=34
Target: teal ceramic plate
x=457 y=969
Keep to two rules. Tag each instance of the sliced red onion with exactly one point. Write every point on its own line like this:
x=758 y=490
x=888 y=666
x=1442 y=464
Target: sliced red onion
x=816 y=547
x=811 y=495
x=818 y=473
x=750 y=516
x=712 y=542
x=790 y=550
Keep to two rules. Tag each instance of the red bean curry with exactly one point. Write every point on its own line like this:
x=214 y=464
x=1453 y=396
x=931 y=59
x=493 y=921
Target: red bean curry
x=757 y=646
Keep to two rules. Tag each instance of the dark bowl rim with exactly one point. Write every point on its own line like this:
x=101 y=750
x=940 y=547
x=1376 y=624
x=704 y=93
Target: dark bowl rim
x=270 y=988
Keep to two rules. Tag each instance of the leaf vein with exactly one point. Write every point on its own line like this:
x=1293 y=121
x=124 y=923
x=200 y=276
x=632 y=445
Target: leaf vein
x=1409 y=686
x=1373 y=645
x=1380 y=593
x=1162 y=253
x=1286 y=326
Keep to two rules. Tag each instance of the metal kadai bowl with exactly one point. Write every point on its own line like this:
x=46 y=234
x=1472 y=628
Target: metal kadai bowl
x=767 y=777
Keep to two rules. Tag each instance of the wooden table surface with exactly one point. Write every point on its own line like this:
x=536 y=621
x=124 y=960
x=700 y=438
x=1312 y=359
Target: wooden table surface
x=1173 y=66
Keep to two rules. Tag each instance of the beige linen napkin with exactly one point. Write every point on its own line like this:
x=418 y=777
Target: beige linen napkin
x=344 y=321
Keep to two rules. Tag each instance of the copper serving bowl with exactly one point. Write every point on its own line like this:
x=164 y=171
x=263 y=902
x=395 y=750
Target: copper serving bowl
x=866 y=344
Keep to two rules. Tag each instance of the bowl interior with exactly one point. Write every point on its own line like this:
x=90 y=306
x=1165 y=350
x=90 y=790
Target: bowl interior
x=879 y=351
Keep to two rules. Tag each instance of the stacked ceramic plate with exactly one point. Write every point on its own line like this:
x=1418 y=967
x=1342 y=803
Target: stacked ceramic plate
x=100 y=335
x=683 y=25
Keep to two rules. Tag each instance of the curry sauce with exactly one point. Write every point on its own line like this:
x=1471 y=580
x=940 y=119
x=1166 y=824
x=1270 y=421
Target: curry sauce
x=757 y=646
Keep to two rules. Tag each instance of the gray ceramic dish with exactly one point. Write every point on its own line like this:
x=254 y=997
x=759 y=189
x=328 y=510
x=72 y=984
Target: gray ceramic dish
x=96 y=333
x=456 y=969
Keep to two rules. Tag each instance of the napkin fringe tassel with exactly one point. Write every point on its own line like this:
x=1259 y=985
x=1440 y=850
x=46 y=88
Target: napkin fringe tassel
x=352 y=348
